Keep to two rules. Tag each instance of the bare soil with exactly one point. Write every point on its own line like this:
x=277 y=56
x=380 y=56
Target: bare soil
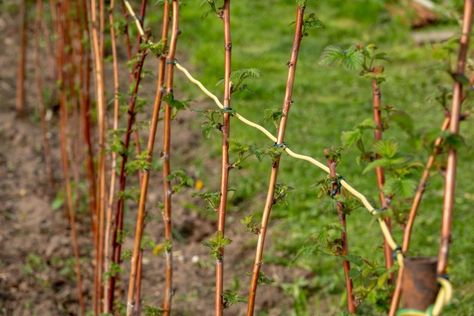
x=36 y=263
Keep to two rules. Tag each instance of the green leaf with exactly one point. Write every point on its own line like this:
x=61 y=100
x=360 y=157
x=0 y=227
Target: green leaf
x=217 y=242
x=58 y=201
x=157 y=49
x=400 y=187
x=231 y=297
x=348 y=138
x=351 y=58
x=403 y=120
x=453 y=140
x=332 y=55
x=176 y=105
x=311 y=21
x=354 y=58
x=239 y=77
x=354 y=259
x=384 y=162
x=386 y=148
x=368 y=123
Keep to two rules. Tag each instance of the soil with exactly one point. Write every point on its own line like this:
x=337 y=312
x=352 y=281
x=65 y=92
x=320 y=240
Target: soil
x=36 y=262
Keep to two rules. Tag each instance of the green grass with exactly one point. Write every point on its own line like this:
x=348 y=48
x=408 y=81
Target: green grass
x=327 y=101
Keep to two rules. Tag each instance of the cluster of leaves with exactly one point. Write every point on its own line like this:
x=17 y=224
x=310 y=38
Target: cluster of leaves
x=131 y=193
x=281 y=193
x=180 y=180
x=211 y=198
x=215 y=7
x=250 y=224
x=212 y=122
x=231 y=296
x=216 y=243
x=157 y=49
x=242 y=152
x=239 y=77
x=175 y=104
x=140 y=163
x=264 y=279
x=273 y=115
x=311 y=21
x=114 y=270
x=149 y=310
x=356 y=57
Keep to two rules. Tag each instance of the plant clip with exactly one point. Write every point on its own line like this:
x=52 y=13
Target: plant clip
x=228 y=109
x=171 y=61
x=444 y=276
x=281 y=145
x=396 y=251
x=336 y=186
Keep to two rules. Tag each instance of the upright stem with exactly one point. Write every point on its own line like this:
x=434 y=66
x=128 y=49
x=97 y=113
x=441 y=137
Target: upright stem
x=167 y=190
x=20 y=78
x=225 y=167
x=85 y=78
x=108 y=226
x=413 y=212
x=144 y=184
x=151 y=139
x=379 y=171
x=351 y=305
x=275 y=166
x=450 y=181
x=101 y=107
x=39 y=92
x=65 y=162
x=119 y=212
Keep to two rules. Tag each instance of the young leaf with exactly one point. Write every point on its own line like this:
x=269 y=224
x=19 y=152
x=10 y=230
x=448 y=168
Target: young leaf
x=349 y=138
x=351 y=58
x=384 y=162
x=216 y=243
x=386 y=148
x=400 y=187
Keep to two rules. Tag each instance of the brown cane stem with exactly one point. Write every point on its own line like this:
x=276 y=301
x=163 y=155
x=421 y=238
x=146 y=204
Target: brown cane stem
x=379 y=171
x=413 y=213
x=225 y=167
x=450 y=180
x=351 y=305
x=275 y=166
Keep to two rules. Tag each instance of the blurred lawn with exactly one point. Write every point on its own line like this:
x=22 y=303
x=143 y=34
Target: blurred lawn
x=327 y=101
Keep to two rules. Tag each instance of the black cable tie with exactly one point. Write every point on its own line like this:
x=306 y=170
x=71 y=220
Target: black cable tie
x=444 y=276
x=281 y=145
x=227 y=109
x=171 y=61
x=336 y=183
x=396 y=251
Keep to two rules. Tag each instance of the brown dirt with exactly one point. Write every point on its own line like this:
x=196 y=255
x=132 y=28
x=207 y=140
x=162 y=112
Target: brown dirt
x=36 y=265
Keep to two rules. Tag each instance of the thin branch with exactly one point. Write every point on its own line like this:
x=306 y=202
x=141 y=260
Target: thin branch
x=65 y=160
x=101 y=190
x=351 y=305
x=108 y=294
x=413 y=213
x=119 y=212
x=167 y=190
x=275 y=166
x=150 y=145
x=450 y=180
x=225 y=167
x=379 y=171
